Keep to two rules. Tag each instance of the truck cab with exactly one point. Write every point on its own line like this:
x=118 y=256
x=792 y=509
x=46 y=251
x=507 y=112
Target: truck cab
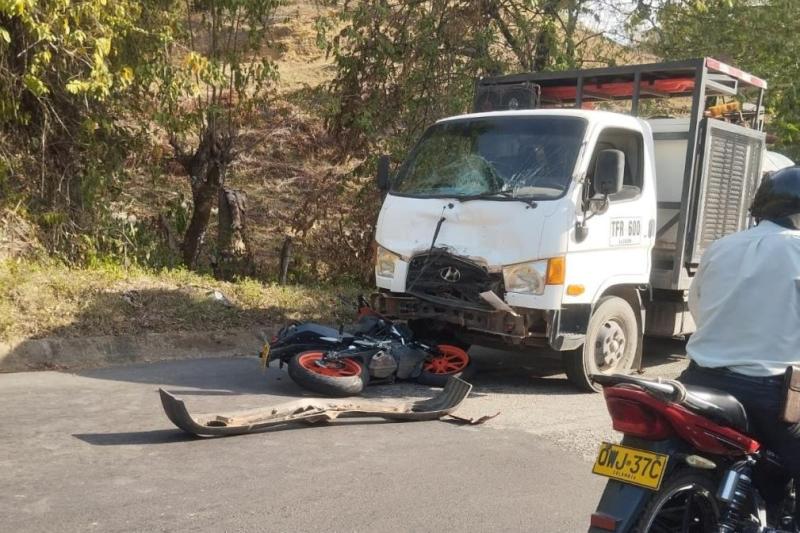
x=563 y=216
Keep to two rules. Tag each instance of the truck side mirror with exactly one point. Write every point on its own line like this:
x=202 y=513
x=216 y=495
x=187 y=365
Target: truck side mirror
x=609 y=171
x=383 y=173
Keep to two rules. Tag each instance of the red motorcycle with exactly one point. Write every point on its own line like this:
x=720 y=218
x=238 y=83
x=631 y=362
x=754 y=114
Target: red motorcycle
x=686 y=464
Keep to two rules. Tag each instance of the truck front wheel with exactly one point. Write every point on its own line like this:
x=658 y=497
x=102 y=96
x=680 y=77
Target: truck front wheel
x=610 y=348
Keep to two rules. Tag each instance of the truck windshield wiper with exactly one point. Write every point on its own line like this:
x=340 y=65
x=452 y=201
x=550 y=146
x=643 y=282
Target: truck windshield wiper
x=505 y=195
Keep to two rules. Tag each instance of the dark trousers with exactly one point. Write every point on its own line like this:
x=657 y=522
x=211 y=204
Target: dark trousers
x=762 y=399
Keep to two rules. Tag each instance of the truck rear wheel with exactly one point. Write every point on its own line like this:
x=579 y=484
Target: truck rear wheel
x=610 y=348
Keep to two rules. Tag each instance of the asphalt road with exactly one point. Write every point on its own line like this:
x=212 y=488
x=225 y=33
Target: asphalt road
x=93 y=452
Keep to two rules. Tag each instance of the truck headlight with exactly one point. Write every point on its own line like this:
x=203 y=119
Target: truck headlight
x=532 y=277
x=385 y=263
x=527 y=278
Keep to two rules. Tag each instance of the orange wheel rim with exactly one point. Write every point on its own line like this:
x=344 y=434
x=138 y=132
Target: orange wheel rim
x=340 y=368
x=449 y=360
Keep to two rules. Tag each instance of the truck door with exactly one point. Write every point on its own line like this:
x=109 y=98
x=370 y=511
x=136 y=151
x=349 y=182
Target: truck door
x=619 y=237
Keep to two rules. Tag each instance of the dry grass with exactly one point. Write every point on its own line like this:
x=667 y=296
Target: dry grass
x=42 y=300
x=301 y=62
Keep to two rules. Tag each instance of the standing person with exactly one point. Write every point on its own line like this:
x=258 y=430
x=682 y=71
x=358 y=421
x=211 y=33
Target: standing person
x=745 y=300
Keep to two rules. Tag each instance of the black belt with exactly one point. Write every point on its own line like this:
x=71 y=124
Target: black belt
x=728 y=372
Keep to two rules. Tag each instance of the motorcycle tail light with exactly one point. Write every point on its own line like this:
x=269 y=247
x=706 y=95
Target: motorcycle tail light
x=637 y=420
x=604 y=522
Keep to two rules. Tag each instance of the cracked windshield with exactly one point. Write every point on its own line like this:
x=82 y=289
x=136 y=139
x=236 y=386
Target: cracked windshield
x=514 y=157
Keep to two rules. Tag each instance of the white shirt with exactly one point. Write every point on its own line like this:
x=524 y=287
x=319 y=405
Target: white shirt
x=745 y=300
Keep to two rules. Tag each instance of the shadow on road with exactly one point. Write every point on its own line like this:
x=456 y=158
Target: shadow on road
x=542 y=373
x=157 y=436
x=499 y=372
x=169 y=436
x=205 y=377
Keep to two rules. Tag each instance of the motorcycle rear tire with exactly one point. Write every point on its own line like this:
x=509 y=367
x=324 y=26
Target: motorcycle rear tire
x=328 y=385
x=678 y=483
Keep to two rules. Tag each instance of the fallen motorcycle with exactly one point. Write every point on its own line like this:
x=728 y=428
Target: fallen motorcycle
x=375 y=350
x=686 y=463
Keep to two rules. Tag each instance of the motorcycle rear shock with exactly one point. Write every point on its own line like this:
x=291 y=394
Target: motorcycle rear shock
x=734 y=492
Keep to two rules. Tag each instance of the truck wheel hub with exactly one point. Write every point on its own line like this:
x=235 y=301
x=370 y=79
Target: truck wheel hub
x=610 y=345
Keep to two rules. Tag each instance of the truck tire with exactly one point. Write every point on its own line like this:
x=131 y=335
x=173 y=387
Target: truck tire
x=610 y=348
x=346 y=377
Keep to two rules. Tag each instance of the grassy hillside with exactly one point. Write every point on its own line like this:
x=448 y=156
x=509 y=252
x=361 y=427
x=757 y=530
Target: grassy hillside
x=40 y=299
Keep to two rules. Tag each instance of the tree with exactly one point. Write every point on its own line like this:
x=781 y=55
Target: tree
x=66 y=70
x=205 y=84
x=401 y=65
x=758 y=37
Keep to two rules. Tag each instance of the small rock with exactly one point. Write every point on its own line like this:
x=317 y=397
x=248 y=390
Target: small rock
x=217 y=296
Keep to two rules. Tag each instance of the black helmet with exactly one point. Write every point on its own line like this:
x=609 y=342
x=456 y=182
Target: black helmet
x=778 y=198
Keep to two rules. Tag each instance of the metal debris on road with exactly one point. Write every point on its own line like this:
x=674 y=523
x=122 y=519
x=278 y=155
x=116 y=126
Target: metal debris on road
x=471 y=421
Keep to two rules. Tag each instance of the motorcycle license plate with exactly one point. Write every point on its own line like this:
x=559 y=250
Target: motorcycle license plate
x=632 y=466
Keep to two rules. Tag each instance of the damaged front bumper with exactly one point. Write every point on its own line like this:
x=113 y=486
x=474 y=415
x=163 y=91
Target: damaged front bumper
x=561 y=329
x=312 y=411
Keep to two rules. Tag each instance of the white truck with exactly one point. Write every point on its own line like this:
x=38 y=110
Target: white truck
x=543 y=223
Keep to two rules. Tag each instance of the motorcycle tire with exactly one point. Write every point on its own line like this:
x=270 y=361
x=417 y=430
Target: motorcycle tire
x=345 y=377
x=698 y=488
x=453 y=361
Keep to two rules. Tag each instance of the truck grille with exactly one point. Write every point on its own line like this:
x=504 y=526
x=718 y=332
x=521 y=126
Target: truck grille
x=444 y=278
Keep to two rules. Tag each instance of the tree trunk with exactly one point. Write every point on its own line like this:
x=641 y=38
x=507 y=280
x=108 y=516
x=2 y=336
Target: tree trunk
x=234 y=252
x=206 y=169
x=286 y=257
x=203 y=201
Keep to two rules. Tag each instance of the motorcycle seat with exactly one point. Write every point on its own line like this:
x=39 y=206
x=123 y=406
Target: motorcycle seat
x=717 y=405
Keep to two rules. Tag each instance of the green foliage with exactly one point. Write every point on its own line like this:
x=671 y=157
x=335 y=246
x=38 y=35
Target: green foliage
x=758 y=37
x=402 y=65
x=66 y=70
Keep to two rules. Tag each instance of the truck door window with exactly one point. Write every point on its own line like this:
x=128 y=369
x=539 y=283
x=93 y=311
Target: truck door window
x=631 y=144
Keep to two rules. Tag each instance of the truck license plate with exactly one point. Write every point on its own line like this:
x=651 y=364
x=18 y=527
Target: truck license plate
x=629 y=465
